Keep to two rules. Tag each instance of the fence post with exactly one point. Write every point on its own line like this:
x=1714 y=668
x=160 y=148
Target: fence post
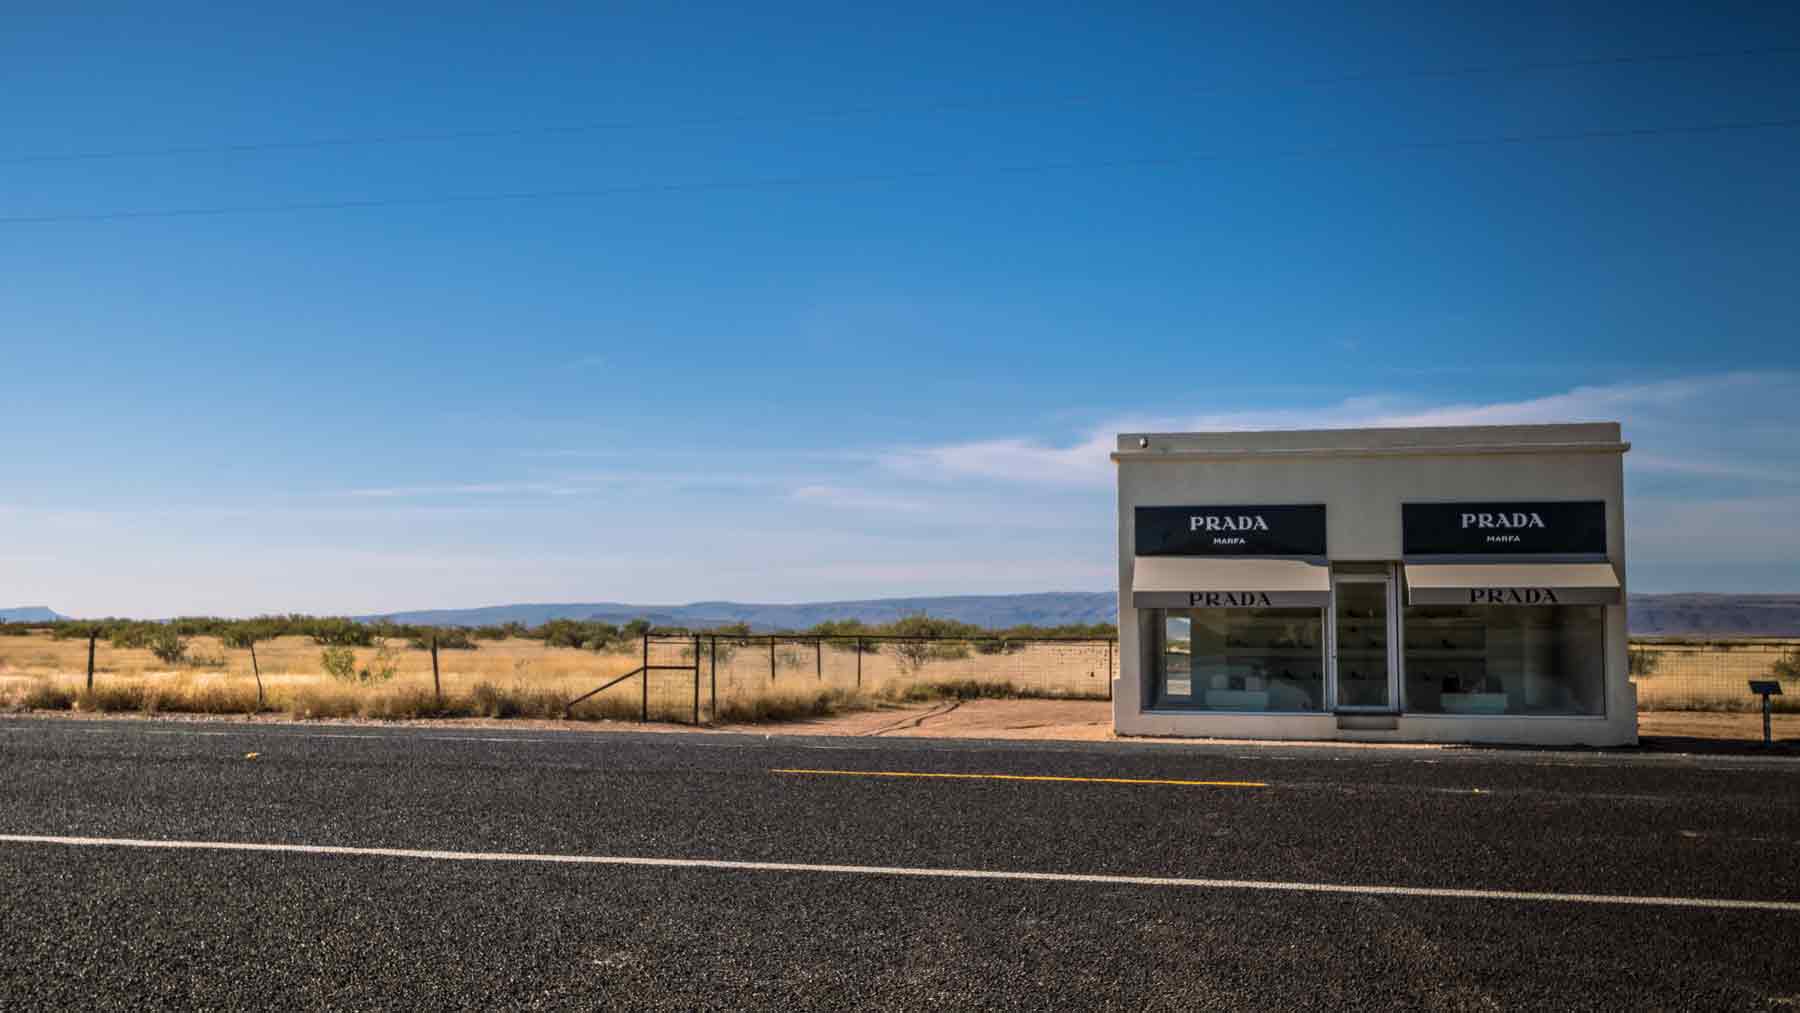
x=437 y=686
x=819 y=658
x=93 y=635
x=256 y=670
x=859 y=650
x=715 y=677
x=771 y=657
x=644 y=674
x=1109 y=664
x=696 y=678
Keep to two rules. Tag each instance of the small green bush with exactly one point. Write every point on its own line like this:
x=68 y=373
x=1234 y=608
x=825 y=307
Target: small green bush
x=340 y=664
x=1787 y=666
x=167 y=644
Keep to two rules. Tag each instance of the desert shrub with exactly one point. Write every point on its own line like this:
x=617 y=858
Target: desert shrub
x=14 y=629
x=913 y=654
x=607 y=708
x=790 y=706
x=340 y=633
x=112 y=697
x=1786 y=667
x=340 y=664
x=125 y=636
x=1642 y=662
x=168 y=645
x=210 y=699
x=491 y=701
x=322 y=703
x=47 y=696
x=449 y=638
x=241 y=635
x=210 y=661
x=69 y=629
x=415 y=702
x=490 y=632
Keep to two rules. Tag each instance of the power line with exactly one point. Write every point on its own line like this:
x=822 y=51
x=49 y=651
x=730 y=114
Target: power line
x=850 y=112
x=854 y=179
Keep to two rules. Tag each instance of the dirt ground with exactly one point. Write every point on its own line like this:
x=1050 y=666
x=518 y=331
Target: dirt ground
x=1091 y=720
x=1048 y=721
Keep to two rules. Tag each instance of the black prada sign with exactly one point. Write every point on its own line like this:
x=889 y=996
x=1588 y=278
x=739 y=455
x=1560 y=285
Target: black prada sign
x=1231 y=530
x=1504 y=528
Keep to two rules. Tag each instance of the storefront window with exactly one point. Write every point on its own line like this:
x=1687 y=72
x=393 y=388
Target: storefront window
x=1240 y=659
x=1505 y=659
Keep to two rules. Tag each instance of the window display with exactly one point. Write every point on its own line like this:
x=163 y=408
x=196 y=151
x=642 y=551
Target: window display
x=1242 y=659
x=1475 y=659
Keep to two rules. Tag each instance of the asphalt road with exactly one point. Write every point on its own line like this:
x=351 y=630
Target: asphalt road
x=127 y=926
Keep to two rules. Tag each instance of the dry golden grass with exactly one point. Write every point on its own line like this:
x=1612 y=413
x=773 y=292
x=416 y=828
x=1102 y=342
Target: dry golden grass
x=501 y=679
x=1712 y=676
x=523 y=678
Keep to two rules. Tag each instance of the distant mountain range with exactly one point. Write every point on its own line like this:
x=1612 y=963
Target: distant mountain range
x=1054 y=608
x=1767 y=615
x=29 y=614
x=1734 y=615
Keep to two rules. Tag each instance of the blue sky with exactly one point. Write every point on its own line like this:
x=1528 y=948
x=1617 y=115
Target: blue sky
x=869 y=292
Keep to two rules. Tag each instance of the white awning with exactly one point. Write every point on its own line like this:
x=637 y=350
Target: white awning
x=1207 y=582
x=1511 y=584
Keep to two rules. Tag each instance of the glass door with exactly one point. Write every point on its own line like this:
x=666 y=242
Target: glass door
x=1362 y=640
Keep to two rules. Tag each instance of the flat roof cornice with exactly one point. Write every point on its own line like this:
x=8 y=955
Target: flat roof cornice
x=1420 y=441
x=1430 y=450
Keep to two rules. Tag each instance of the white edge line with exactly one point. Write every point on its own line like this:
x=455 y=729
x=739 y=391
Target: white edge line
x=1713 y=903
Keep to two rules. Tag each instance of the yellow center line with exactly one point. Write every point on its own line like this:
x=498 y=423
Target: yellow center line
x=1022 y=777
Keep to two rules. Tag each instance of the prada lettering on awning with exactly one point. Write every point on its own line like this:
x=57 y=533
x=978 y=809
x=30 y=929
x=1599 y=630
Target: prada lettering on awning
x=1511 y=584
x=1182 y=582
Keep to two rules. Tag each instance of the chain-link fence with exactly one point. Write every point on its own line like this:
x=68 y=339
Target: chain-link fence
x=748 y=677
x=706 y=677
x=1713 y=675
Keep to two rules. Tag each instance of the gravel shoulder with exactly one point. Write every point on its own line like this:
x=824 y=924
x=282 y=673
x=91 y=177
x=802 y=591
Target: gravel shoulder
x=1019 y=720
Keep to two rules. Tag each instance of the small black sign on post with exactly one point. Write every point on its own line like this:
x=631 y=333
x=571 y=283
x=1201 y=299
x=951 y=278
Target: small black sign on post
x=1766 y=688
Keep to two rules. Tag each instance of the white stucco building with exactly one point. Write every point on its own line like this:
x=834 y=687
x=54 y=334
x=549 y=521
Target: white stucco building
x=1440 y=585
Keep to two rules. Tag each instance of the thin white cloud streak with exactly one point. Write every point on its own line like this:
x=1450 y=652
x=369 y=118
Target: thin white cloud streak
x=465 y=489
x=1086 y=461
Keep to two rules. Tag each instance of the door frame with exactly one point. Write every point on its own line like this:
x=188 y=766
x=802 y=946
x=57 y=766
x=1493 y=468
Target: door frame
x=1390 y=585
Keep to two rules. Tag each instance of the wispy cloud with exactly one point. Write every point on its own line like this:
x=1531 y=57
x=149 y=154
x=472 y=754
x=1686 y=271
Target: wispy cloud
x=464 y=489
x=1658 y=406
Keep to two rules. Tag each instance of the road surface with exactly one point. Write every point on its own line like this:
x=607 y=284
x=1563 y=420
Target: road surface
x=399 y=868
